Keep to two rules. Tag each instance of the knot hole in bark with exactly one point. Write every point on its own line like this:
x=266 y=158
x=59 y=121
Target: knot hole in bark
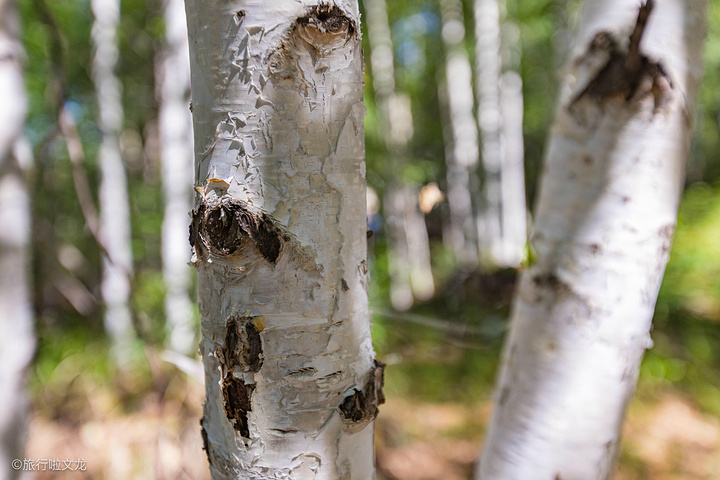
x=224 y=228
x=243 y=344
x=242 y=353
x=627 y=72
x=361 y=406
x=322 y=29
x=326 y=22
x=236 y=395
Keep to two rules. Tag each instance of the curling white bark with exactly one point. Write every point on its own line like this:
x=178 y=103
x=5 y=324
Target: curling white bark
x=502 y=216
x=409 y=262
x=462 y=154
x=177 y=167
x=279 y=239
x=113 y=196
x=16 y=319
x=605 y=219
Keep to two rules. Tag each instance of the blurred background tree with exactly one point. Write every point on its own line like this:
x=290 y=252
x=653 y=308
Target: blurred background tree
x=442 y=349
x=16 y=320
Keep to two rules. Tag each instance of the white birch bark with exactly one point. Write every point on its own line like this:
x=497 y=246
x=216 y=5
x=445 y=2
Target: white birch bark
x=113 y=195
x=279 y=238
x=16 y=318
x=177 y=167
x=409 y=262
x=462 y=153
x=605 y=218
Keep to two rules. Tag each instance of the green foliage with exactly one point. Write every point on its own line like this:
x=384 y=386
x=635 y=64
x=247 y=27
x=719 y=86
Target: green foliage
x=148 y=304
x=428 y=364
x=69 y=352
x=692 y=278
x=687 y=318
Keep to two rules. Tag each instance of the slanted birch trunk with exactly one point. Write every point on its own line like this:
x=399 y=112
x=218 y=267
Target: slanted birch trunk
x=177 y=167
x=462 y=149
x=113 y=196
x=502 y=215
x=409 y=262
x=279 y=239
x=16 y=319
x=604 y=225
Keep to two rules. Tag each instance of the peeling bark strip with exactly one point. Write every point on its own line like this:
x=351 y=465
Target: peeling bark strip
x=279 y=238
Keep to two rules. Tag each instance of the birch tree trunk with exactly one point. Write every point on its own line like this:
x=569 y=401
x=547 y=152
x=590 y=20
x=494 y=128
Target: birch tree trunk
x=401 y=294
x=416 y=235
x=279 y=239
x=16 y=319
x=177 y=167
x=409 y=262
x=113 y=196
x=462 y=154
x=502 y=216
x=382 y=63
x=410 y=269
x=604 y=224
x=514 y=217
x=488 y=65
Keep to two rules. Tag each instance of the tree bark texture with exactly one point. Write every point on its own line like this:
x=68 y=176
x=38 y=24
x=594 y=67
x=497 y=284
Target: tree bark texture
x=279 y=239
x=16 y=319
x=604 y=224
x=113 y=194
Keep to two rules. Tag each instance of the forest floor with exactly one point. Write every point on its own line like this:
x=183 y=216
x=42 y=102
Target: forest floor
x=156 y=436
